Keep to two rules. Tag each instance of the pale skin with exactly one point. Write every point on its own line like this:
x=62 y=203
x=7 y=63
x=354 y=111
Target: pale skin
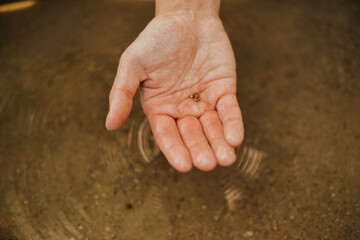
x=182 y=51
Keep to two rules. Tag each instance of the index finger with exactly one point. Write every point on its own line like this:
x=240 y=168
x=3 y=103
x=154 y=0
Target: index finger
x=168 y=138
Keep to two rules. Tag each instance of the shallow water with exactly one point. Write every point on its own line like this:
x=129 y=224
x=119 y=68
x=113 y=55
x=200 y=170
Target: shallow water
x=63 y=176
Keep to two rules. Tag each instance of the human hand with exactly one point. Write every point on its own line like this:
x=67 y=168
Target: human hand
x=176 y=56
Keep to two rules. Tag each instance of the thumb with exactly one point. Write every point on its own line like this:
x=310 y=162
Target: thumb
x=122 y=93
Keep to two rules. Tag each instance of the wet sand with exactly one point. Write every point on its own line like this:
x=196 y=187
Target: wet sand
x=63 y=176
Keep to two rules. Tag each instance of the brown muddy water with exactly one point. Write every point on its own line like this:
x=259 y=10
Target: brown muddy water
x=63 y=176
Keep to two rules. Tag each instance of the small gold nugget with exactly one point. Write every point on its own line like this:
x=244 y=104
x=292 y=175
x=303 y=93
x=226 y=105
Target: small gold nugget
x=195 y=96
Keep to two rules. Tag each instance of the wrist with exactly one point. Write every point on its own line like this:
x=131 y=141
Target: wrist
x=188 y=7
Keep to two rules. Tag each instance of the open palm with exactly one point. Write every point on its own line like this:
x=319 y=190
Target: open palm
x=173 y=58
